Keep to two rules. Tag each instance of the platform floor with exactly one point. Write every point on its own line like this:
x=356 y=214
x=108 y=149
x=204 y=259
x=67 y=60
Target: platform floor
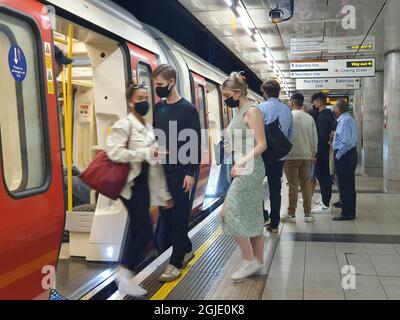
x=305 y=260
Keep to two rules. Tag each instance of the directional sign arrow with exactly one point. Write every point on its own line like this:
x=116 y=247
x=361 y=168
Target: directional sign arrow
x=15 y=56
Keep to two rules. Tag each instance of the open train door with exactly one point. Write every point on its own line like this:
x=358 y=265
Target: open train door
x=31 y=190
x=199 y=96
x=142 y=65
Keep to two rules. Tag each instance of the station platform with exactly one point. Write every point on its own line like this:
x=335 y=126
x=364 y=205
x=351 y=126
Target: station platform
x=305 y=260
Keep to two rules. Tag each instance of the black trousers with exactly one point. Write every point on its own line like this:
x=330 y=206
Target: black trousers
x=274 y=173
x=139 y=229
x=324 y=176
x=346 y=171
x=176 y=220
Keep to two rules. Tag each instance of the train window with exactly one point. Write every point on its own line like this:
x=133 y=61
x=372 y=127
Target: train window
x=21 y=122
x=144 y=78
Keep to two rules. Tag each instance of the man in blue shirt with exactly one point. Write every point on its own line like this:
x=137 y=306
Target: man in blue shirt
x=344 y=147
x=272 y=110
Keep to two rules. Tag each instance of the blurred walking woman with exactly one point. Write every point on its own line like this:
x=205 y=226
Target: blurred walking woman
x=242 y=212
x=132 y=140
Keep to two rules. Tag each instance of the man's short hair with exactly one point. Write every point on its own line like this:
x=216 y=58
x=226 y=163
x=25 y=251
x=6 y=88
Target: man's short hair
x=165 y=71
x=271 y=88
x=343 y=105
x=319 y=97
x=297 y=99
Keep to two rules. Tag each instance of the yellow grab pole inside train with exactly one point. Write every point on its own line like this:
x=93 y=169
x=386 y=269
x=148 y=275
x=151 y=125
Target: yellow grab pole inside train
x=68 y=115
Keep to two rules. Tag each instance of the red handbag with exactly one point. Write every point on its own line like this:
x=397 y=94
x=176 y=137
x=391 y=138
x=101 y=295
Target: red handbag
x=105 y=176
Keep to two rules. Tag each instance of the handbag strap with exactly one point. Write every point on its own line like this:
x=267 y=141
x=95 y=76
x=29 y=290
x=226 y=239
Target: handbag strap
x=130 y=133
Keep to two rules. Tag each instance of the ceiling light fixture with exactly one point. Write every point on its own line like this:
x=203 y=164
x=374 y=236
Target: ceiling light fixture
x=243 y=16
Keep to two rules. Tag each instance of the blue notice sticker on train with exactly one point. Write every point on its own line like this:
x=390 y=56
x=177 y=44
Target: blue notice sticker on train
x=17 y=63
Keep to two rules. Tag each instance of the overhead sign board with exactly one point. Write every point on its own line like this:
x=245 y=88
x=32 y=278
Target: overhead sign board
x=328 y=84
x=344 y=68
x=333 y=44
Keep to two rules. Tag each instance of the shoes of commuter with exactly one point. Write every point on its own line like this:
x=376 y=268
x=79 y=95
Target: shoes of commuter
x=317 y=199
x=289 y=218
x=131 y=287
x=263 y=271
x=170 y=274
x=267 y=223
x=321 y=209
x=188 y=257
x=272 y=229
x=344 y=218
x=308 y=217
x=127 y=284
x=338 y=204
x=246 y=269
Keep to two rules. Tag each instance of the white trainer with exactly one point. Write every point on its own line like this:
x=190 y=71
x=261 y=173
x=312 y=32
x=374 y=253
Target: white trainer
x=263 y=271
x=317 y=199
x=123 y=274
x=321 y=209
x=247 y=269
x=308 y=217
x=131 y=287
x=170 y=274
x=289 y=218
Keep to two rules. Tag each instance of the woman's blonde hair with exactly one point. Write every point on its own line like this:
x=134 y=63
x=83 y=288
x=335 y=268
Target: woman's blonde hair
x=237 y=82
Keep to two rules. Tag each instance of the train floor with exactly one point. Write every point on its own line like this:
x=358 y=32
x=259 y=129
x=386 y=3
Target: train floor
x=305 y=260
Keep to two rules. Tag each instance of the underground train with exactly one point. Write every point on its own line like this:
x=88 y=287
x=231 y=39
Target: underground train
x=110 y=47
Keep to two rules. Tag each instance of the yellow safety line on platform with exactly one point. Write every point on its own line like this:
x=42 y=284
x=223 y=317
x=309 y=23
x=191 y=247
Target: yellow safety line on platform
x=166 y=289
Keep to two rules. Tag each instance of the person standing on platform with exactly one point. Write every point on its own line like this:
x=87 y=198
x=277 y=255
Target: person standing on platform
x=242 y=213
x=273 y=109
x=324 y=123
x=345 y=150
x=298 y=163
x=132 y=140
x=174 y=117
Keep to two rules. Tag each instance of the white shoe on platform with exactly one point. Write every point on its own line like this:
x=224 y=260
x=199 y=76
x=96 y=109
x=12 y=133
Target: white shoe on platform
x=131 y=287
x=247 y=269
x=321 y=210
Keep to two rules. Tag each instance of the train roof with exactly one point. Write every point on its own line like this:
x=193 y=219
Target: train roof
x=110 y=16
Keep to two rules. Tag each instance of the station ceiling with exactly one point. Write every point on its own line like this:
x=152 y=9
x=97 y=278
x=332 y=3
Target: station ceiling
x=315 y=32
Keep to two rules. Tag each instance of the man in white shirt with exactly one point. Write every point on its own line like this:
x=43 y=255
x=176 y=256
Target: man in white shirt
x=298 y=163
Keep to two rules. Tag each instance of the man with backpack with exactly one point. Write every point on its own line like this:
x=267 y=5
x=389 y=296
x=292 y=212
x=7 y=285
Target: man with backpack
x=274 y=110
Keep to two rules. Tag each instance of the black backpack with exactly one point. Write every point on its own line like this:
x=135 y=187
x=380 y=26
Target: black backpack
x=278 y=146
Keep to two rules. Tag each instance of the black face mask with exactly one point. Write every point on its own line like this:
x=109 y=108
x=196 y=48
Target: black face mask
x=232 y=103
x=142 y=108
x=164 y=92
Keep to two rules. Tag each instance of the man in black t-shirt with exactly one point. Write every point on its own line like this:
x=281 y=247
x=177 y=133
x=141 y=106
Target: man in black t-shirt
x=324 y=124
x=179 y=121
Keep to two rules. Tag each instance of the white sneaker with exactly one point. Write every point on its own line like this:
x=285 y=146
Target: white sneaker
x=188 y=257
x=263 y=271
x=246 y=269
x=289 y=218
x=131 y=287
x=170 y=274
x=308 y=217
x=123 y=274
x=317 y=199
x=321 y=210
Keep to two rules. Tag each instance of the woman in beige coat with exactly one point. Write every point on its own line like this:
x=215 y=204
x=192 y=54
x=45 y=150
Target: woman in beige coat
x=132 y=140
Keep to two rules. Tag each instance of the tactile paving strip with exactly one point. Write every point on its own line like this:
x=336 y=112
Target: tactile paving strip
x=247 y=289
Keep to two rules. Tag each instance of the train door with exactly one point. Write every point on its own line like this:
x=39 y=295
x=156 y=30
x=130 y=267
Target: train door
x=31 y=192
x=142 y=65
x=199 y=93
